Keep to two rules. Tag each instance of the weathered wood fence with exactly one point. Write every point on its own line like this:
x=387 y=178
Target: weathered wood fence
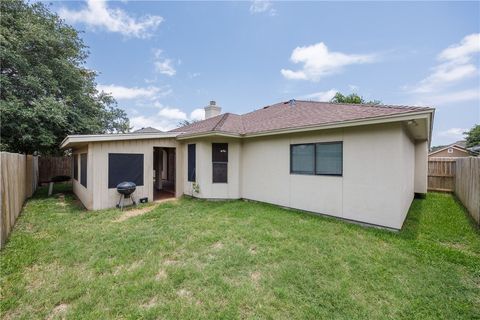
x=18 y=181
x=441 y=174
x=467 y=185
x=54 y=166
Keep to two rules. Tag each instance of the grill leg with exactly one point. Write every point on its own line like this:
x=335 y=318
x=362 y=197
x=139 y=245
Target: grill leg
x=122 y=200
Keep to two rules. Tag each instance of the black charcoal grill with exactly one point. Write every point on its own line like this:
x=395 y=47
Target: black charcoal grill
x=126 y=190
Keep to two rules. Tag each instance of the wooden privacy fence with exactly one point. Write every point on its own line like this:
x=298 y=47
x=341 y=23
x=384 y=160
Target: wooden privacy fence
x=467 y=185
x=54 y=166
x=441 y=174
x=18 y=181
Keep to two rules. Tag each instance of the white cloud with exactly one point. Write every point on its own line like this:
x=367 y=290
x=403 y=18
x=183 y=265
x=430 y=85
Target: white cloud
x=455 y=66
x=321 y=96
x=193 y=75
x=450 y=97
x=353 y=87
x=172 y=113
x=467 y=47
x=167 y=118
x=197 y=114
x=453 y=133
x=164 y=65
x=127 y=93
x=97 y=14
x=319 y=62
x=261 y=6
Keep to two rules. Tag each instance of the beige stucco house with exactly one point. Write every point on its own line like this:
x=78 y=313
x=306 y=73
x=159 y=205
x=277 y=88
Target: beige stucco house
x=358 y=162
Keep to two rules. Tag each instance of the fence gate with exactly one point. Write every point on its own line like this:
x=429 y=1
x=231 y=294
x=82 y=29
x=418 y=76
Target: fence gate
x=441 y=174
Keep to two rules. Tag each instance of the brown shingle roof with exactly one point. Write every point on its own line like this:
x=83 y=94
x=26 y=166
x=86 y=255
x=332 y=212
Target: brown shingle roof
x=285 y=115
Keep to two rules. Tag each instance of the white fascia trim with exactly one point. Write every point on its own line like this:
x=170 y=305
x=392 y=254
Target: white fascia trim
x=71 y=139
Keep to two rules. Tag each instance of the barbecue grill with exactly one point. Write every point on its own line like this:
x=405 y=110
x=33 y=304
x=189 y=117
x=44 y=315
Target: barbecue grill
x=125 y=189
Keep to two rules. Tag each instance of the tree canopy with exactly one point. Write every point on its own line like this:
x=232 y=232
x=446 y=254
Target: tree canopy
x=46 y=92
x=473 y=136
x=352 y=98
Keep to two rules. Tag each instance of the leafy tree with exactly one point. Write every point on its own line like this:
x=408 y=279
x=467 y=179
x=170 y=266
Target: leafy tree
x=184 y=123
x=46 y=92
x=473 y=136
x=352 y=98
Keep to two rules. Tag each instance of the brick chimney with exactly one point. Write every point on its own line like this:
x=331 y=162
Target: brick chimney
x=212 y=110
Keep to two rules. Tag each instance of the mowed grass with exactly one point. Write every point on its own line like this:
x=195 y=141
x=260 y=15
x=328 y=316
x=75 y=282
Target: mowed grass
x=198 y=259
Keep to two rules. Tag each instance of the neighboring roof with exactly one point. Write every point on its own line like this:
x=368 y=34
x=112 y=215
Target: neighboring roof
x=147 y=130
x=83 y=139
x=451 y=146
x=461 y=143
x=287 y=115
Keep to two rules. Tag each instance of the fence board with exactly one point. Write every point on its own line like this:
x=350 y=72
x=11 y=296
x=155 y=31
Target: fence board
x=54 y=166
x=18 y=181
x=467 y=186
x=441 y=174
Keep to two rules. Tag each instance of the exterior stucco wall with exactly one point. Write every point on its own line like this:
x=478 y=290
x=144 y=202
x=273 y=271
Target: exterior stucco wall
x=378 y=165
x=83 y=194
x=203 y=164
x=421 y=166
x=99 y=196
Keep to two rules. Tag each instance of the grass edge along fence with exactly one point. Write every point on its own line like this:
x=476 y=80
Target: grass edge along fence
x=18 y=181
x=467 y=185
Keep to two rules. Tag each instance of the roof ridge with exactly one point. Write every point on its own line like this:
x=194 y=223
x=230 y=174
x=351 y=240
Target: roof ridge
x=221 y=121
x=397 y=106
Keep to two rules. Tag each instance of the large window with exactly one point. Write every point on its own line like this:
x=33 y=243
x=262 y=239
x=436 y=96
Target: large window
x=83 y=169
x=220 y=162
x=191 y=162
x=75 y=166
x=124 y=167
x=317 y=158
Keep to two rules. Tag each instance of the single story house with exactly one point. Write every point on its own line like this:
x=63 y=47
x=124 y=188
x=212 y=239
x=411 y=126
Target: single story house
x=455 y=150
x=357 y=162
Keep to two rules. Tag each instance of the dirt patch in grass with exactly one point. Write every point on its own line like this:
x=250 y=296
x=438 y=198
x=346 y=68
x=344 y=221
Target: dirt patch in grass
x=161 y=275
x=217 y=245
x=150 y=304
x=134 y=213
x=59 y=312
x=255 y=276
x=184 y=293
x=128 y=268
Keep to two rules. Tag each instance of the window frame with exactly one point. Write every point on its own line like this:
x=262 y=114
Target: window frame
x=192 y=159
x=75 y=166
x=84 y=173
x=219 y=162
x=314 y=173
x=111 y=183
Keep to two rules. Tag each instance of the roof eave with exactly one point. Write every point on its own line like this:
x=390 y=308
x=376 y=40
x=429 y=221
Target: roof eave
x=72 y=140
x=357 y=122
x=186 y=136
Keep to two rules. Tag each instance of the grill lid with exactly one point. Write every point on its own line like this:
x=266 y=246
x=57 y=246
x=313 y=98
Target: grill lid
x=126 y=187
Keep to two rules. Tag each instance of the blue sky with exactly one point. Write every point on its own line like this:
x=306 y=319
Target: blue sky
x=164 y=61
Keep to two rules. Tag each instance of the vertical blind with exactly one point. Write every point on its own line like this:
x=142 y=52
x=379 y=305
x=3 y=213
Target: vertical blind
x=303 y=158
x=191 y=162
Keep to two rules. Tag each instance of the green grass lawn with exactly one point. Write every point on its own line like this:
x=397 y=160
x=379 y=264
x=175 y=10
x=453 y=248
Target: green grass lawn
x=199 y=259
